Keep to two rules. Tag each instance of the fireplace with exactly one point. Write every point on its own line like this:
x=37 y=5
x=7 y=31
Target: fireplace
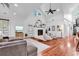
x=40 y=32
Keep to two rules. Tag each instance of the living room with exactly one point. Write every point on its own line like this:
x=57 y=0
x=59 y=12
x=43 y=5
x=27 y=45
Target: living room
x=42 y=28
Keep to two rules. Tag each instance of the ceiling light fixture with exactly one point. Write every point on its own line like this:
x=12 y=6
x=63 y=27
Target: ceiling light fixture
x=16 y=5
x=58 y=10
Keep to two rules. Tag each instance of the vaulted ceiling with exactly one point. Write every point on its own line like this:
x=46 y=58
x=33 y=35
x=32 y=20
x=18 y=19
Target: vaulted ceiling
x=23 y=10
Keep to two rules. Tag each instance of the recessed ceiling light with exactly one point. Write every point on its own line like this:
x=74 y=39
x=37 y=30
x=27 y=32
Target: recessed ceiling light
x=58 y=9
x=14 y=13
x=16 y=5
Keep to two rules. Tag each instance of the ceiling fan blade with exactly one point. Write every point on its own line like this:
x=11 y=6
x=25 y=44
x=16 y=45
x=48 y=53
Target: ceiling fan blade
x=53 y=10
x=46 y=11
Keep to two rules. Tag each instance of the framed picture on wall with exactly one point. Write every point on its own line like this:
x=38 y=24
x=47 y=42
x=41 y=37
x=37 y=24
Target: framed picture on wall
x=58 y=28
x=53 y=28
x=77 y=22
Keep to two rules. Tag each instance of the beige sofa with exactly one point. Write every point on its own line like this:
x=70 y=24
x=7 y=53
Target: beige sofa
x=17 y=48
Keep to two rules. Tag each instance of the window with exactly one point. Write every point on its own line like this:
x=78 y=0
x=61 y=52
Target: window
x=19 y=28
x=4 y=27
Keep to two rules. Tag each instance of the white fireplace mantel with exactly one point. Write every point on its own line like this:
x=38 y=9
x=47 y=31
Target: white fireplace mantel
x=36 y=31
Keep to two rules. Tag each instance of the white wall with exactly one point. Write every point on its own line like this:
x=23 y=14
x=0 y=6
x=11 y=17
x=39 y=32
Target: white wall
x=12 y=28
x=31 y=20
x=58 y=19
x=68 y=24
x=12 y=24
x=49 y=20
x=7 y=13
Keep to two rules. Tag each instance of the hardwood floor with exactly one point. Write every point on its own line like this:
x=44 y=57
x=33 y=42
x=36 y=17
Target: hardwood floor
x=60 y=47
